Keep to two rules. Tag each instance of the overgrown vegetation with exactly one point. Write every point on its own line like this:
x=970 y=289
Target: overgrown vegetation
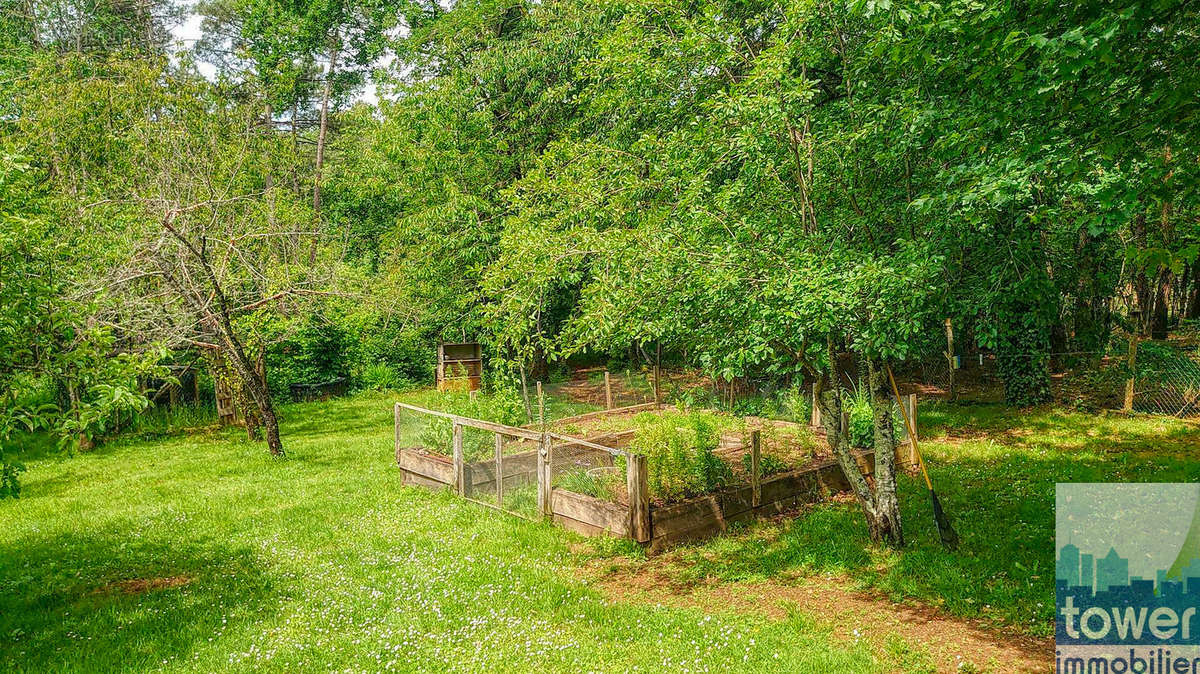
x=603 y=483
x=503 y=406
x=679 y=450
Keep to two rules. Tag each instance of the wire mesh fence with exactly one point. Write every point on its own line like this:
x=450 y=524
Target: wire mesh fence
x=1134 y=375
x=1166 y=379
x=589 y=469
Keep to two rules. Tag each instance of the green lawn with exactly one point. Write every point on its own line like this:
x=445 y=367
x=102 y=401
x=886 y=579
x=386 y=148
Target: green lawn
x=994 y=470
x=199 y=552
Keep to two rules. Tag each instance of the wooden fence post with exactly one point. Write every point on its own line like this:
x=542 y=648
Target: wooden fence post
x=499 y=470
x=460 y=481
x=396 y=423
x=1132 y=364
x=755 y=469
x=950 y=355
x=607 y=391
x=816 y=407
x=545 y=502
x=637 y=481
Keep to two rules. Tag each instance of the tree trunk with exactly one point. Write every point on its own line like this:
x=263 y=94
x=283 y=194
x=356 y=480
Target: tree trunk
x=324 y=130
x=1141 y=283
x=1159 y=318
x=1192 y=309
x=880 y=507
x=885 y=525
x=237 y=352
x=254 y=387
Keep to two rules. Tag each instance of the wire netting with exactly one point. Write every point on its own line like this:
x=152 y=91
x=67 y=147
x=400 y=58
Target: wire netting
x=588 y=470
x=506 y=475
x=1165 y=376
x=1167 y=379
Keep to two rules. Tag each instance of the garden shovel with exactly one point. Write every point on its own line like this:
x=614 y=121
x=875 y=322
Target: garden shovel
x=947 y=533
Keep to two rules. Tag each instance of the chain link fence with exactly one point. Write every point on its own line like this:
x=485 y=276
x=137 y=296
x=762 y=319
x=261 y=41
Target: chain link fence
x=1166 y=379
x=1133 y=375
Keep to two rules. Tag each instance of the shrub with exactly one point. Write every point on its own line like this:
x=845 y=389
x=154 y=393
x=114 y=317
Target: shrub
x=796 y=405
x=381 y=377
x=767 y=464
x=862 y=417
x=679 y=450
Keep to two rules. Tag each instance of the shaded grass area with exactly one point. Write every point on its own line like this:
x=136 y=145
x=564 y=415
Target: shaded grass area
x=201 y=553
x=994 y=469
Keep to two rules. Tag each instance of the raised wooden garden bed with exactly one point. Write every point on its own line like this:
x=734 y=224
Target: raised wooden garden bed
x=635 y=516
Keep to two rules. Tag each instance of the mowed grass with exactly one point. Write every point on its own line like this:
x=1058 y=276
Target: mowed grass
x=994 y=469
x=200 y=553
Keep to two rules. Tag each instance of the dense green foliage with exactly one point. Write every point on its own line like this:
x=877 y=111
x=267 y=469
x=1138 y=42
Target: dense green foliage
x=759 y=189
x=679 y=449
x=739 y=182
x=504 y=406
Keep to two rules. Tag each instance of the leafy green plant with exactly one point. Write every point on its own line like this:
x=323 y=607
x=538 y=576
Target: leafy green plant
x=862 y=417
x=768 y=464
x=605 y=485
x=795 y=404
x=679 y=450
x=857 y=402
x=382 y=377
x=13 y=419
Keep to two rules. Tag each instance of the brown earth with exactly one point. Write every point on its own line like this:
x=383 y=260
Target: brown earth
x=950 y=645
x=140 y=585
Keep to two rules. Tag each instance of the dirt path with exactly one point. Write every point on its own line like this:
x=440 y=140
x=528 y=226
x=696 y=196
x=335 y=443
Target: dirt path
x=951 y=645
x=586 y=385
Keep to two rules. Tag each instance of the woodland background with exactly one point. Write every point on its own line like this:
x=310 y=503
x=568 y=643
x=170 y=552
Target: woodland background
x=756 y=188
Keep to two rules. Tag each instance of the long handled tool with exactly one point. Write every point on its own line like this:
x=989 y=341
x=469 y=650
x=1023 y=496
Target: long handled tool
x=947 y=533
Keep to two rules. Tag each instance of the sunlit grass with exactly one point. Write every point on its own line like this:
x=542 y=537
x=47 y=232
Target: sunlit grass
x=198 y=552
x=994 y=469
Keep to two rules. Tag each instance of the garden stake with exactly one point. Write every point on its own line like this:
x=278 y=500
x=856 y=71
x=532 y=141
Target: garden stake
x=946 y=532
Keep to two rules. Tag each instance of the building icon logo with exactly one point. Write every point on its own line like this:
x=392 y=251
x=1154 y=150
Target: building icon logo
x=1127 y=578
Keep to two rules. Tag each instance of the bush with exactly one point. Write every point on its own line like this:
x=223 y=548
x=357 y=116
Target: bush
x=382 y=377
x=679 y=450
x=767 y=464
x=862 y=417
x=796 y=405
x=369 y=351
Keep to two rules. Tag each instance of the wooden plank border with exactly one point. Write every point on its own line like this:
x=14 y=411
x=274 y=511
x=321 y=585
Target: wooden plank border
x=598 y=514
x=429 y=466
x=713 y=513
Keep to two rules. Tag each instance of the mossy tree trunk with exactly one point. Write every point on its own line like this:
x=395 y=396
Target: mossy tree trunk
x=878 y=500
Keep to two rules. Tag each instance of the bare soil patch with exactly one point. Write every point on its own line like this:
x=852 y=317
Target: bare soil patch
x=141 y=585
x=952 y=645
